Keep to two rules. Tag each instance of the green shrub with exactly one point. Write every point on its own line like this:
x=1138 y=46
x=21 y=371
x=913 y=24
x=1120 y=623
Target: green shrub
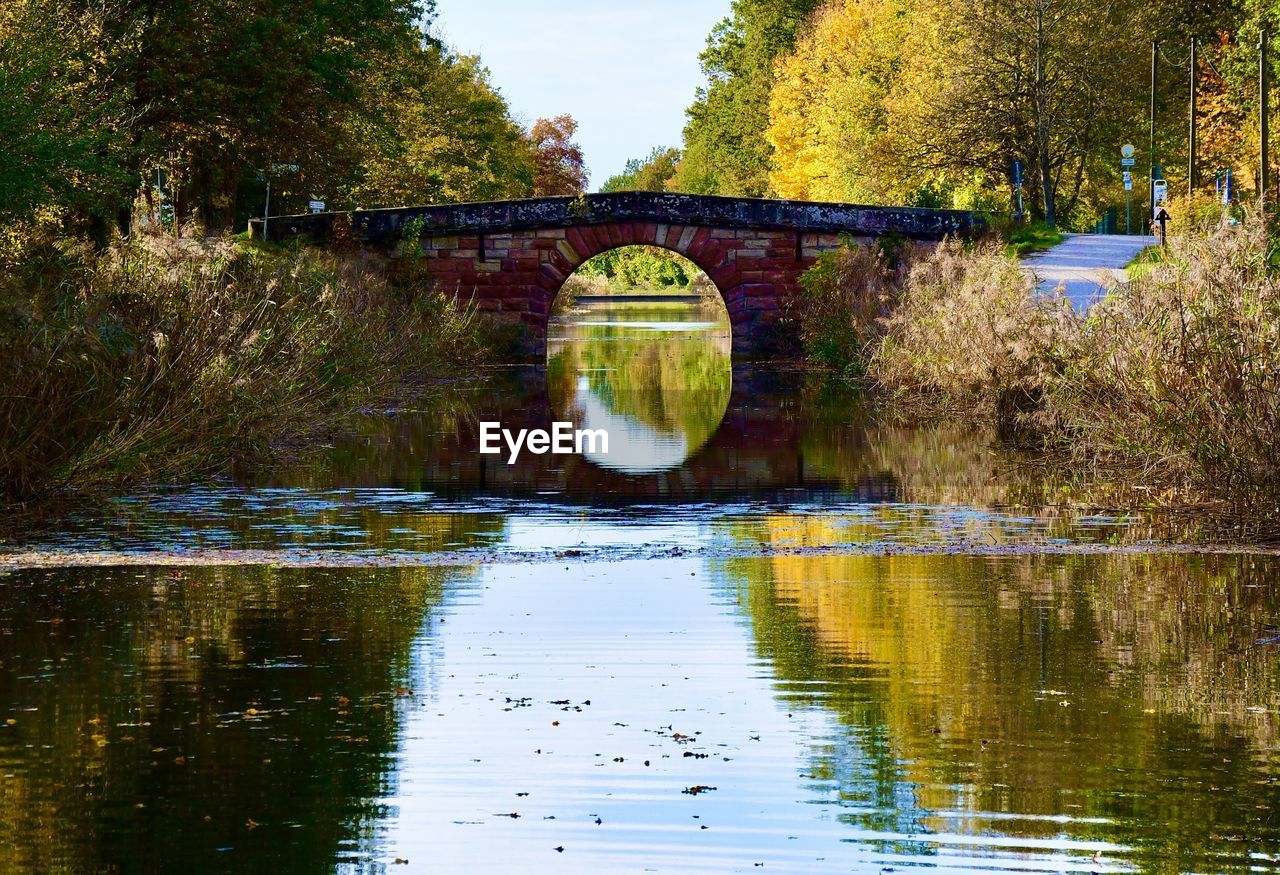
x=847 y=297
x=1033 y=237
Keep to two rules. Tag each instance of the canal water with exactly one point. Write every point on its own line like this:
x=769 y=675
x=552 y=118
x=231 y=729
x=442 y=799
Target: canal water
x=769 y=630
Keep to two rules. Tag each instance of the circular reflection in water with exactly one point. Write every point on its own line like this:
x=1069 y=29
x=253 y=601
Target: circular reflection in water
x=657 y=378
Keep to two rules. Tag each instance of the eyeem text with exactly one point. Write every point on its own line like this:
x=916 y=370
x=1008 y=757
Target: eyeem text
x=562 y=440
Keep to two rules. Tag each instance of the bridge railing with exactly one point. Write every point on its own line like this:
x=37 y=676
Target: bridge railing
x=387 y=225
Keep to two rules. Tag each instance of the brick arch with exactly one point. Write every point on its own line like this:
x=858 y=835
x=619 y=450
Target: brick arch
x=753 y=269
x=510 y=258
x=707 y=253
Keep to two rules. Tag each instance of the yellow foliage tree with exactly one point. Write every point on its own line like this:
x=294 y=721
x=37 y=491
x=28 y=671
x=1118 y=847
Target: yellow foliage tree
x=828 y=121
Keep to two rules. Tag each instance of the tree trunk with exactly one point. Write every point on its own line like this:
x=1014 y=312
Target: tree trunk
x=1042 y=120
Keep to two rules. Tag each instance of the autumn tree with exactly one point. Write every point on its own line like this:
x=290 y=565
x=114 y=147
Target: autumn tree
x=725 y=150
x=1041 y=81
x=559 y=168
x=829 y=122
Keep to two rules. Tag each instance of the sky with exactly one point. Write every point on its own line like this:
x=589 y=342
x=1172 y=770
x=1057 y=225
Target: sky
x=625 y=69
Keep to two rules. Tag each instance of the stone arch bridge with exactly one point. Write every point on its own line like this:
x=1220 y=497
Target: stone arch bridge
x=512 y=257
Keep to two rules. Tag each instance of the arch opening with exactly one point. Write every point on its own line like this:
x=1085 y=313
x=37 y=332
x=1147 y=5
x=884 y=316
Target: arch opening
x=639 y=344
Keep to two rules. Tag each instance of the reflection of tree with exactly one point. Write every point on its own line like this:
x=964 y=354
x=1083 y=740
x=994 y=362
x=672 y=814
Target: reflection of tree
x=677 y=383
x=159 y=719
x=950 y=674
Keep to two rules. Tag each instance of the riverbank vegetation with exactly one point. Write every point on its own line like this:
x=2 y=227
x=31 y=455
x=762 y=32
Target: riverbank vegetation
x=1172 y=380
x=140 y=340
x=159 y=358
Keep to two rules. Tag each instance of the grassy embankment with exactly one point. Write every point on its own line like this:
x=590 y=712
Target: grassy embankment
x=162 y=359
x=1171 y=382
x=1033 y=237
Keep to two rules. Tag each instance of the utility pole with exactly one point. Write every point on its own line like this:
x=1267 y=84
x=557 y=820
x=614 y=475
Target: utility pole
x=1155 y=72
x=1263 y=121
x=1192 y=180
x=266 y=210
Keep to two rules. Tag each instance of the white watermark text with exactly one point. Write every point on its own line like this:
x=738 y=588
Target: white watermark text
x=562 y=440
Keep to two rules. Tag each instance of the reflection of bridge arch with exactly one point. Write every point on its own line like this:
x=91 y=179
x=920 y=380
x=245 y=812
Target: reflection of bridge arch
x=756 y=453
x=659 y=388
x=512 y=257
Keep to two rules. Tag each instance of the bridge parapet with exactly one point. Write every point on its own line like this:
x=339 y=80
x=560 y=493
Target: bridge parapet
x=386 y=225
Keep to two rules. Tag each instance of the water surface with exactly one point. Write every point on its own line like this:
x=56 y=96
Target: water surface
x=767 y=631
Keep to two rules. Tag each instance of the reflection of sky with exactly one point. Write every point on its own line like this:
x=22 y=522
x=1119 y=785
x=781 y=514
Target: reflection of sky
x=554 y=693
x=668 y=653
x=637 y=447
x=634 y=447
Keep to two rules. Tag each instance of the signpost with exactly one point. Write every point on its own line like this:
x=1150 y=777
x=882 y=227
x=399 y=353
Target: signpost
x=1017 y=181
x=1127 y=160
x=1160 y=197
x=1161 y=189
x=315 y=207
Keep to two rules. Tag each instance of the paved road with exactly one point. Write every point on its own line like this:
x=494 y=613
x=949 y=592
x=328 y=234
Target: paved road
x=1086 y=265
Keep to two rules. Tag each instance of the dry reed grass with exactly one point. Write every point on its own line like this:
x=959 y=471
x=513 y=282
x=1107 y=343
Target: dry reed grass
x=1172 y=382
x=161 y=358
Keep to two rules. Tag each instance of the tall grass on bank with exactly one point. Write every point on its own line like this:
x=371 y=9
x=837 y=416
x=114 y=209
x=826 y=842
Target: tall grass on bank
x=1172 y=381
x=848 y=297
x=162 y=359
x=970 y=330
x=1177 y=375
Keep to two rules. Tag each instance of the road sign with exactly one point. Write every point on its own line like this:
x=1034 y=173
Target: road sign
x=1162 y=216
x=1127 y=162
x=1161 y=191
x=1127 y=150
x=316 y=206
x=1128 y=183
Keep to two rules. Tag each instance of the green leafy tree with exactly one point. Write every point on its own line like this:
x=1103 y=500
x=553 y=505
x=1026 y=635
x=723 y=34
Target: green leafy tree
x=646 y=174
x=224 y=88
x=447 y=137
x=725 y=149
x=62 y=114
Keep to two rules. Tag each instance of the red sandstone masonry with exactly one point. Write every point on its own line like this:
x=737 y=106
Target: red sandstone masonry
x=523 y=271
